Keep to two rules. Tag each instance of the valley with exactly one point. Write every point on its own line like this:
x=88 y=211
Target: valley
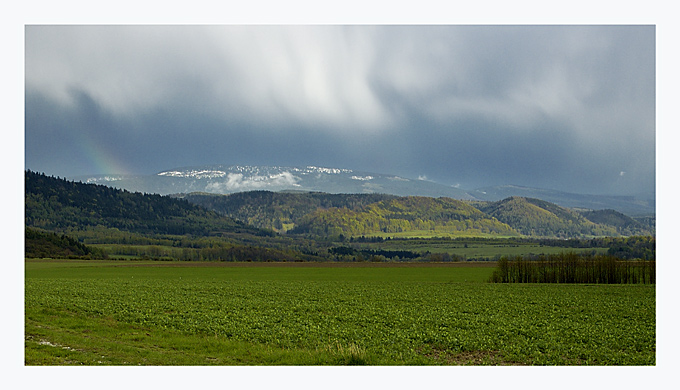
x=115 y=277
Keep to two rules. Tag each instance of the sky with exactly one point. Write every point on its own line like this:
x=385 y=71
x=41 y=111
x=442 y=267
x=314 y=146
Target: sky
x=565 y=107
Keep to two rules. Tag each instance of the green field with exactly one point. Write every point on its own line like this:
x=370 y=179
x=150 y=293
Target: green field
x=172 y=313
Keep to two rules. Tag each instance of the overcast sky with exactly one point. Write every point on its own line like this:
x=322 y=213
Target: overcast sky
x=563 y=107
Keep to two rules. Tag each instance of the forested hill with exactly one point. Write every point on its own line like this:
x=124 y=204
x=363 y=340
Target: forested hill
x=624 y=224
x=535 y=217
x=332 y=215
x=367 y=214
x=405 y=214
x=280 y=211
x=59 y=205
x=39 y=244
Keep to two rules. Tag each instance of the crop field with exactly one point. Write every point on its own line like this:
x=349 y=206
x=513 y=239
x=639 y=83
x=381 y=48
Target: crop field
x=173 y=313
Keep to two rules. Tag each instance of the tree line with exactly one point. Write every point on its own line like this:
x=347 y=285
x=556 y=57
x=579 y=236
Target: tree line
x=573 y=268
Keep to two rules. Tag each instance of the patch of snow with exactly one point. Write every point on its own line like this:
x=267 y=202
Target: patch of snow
x=196 y=174
x=330 y=171
x=363 y=178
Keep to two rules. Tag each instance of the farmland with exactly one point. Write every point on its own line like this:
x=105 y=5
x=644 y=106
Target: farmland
x=178 y=313
x=118 y=278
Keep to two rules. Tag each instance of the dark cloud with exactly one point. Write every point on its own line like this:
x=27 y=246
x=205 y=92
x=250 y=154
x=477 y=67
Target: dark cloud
x=564 y=107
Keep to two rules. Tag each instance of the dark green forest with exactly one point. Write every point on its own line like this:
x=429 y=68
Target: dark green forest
x=61 y=205
x=40 y=244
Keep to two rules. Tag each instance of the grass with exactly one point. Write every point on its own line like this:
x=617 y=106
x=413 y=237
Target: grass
x=143 y=313
x=61 y=337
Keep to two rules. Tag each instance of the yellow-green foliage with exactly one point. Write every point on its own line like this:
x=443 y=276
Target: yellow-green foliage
x=535 y=217
x=401 y=215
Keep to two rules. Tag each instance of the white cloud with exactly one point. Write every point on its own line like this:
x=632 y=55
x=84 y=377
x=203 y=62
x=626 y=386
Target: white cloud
x=310 y=74
x=349 y=78
x=237 y=182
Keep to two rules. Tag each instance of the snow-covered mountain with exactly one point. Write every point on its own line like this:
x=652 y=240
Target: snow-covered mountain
x=222 y=179
x=227 y=179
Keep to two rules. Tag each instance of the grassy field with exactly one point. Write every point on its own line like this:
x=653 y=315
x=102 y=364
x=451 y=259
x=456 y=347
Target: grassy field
x=170 y=313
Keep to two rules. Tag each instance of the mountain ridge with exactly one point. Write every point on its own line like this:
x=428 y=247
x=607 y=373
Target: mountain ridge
x=227 y=179
x=356 y=215
x=60 y=205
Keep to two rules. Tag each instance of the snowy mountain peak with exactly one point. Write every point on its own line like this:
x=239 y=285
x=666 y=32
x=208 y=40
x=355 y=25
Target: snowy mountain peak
x=226 y=179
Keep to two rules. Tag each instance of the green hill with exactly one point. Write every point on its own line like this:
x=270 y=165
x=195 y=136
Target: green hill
x=279 y=211
x=59 y=205
x=624 y=224
x=535 y=217
x=404 y=214
x=332 y=215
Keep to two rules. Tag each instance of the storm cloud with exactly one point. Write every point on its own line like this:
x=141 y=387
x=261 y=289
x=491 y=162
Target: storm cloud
x=561 y=107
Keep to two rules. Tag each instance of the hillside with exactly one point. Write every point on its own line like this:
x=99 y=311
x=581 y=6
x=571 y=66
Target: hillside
x=369 y=214
x=535 y=217
x=331 y=215
x=279 y=211
x=404 y=214
x=624 y=224
x=39 y=244
x=641 y=205
x=59 y=205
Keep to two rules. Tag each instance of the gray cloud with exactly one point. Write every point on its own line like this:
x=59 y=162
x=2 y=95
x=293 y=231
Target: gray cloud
x=565 y=107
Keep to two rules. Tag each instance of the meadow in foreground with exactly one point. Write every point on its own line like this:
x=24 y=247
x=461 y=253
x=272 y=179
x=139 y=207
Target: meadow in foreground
x=121 y=313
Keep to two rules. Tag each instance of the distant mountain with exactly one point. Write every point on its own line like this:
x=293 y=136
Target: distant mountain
x=629 y=205
x=222 y=179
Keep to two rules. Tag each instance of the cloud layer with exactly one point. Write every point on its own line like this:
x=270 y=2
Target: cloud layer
x=565 y=107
